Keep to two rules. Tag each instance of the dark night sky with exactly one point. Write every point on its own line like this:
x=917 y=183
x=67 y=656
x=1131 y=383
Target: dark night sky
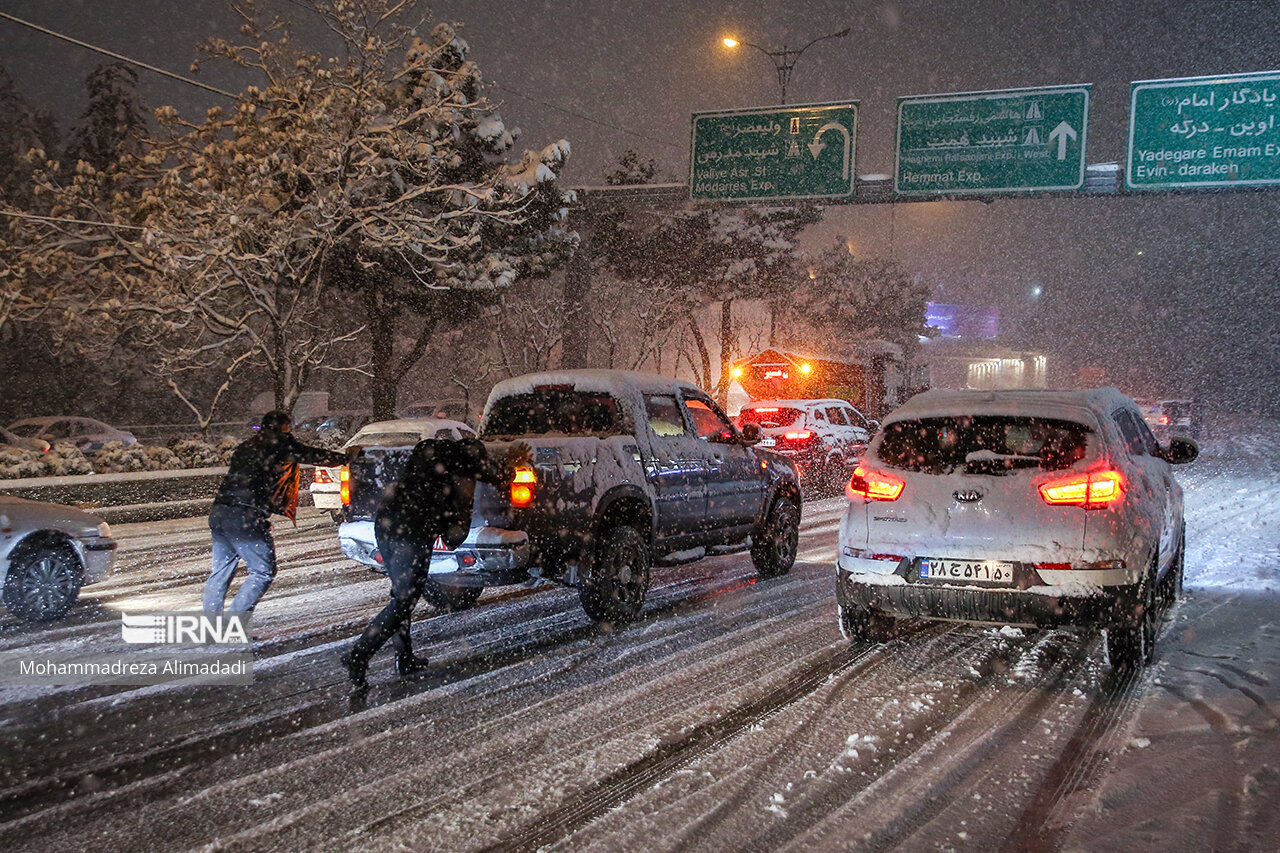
x=1172 y=294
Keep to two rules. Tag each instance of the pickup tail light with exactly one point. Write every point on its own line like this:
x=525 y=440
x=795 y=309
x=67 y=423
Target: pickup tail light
x=523 y=486
x=1091 y=490
x=344 y=487
x=869 y=485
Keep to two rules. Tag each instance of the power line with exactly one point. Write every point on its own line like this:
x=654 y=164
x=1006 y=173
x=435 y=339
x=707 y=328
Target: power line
x=225 y=93
x=118 y=56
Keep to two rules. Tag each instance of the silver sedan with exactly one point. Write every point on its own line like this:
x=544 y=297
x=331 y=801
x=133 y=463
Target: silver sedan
x=47 y=552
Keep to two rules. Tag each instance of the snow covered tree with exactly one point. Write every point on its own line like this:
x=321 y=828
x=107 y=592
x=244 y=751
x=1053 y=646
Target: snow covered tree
x=843 y=298
x=372 y=176
x=699 y=257
x=113 y=123
x=23 y=129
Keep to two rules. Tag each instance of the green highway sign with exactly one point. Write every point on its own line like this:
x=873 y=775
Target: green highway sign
x=805 y=151
x=1015 y=140
x=1204 y=132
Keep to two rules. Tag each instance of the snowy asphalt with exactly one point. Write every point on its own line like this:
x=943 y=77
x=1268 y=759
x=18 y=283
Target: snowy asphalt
x=732 y=716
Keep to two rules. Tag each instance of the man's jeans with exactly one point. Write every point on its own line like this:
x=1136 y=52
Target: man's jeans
x=239 y=533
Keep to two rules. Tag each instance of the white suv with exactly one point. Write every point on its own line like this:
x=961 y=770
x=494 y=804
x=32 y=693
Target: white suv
x=822 y=438
x=1015 y=507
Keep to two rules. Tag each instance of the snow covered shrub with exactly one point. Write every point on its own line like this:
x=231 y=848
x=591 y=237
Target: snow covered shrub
x=65 y=459
x=194 y=453
x=15 y=464
x=226 y=447
x=114 y=457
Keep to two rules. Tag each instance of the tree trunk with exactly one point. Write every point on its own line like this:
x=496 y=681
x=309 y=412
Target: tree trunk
x=726 y=352
x=383 y=382
x=705 y=379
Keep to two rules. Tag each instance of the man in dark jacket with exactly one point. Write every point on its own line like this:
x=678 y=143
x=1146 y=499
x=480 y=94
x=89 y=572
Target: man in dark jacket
x=262 y=478
x=431 y=500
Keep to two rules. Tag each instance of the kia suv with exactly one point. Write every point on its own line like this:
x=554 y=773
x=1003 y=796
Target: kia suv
x=1015 y=507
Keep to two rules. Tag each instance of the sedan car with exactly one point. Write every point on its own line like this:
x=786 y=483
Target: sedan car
x=84 y=433
x=327 y=483
x=47 y=552
x=1015 y=507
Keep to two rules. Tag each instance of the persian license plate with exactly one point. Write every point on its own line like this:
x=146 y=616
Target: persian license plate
x=985 y=571
x=768 y=442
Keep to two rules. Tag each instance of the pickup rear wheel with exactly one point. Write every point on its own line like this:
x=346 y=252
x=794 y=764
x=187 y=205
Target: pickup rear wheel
x=615 y=589
x=773 y=547
x=450 y=597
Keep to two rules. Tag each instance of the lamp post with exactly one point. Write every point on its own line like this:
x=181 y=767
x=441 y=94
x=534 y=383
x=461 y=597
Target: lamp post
x=784 y=60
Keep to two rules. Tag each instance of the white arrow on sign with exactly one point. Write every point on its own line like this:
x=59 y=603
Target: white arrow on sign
x=1062 y=133
x=816 y=146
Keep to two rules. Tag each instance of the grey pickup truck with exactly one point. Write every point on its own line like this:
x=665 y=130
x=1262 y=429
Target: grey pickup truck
x=628 y=469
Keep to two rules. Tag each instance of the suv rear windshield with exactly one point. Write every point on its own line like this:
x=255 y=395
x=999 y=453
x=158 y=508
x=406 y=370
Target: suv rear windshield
x=983 y=444
x=770 y=417
x=555 y=412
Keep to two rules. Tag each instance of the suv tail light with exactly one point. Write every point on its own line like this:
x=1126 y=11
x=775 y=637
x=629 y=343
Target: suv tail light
x=871 y=485
x=344 y=487
x=522 y=487
x=1092 y=490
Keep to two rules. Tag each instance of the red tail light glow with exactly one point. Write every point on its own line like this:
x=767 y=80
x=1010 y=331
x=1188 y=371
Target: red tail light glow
x=522 y=487
x=344 y=487
x=798 y=435
x=322 y=476
x=1092 y=490
x=869 y=485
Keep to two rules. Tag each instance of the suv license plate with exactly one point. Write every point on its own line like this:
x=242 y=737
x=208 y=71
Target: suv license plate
x=986 y=571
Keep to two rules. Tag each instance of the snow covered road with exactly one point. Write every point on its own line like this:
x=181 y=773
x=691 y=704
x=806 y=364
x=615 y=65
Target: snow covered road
x=731 y=717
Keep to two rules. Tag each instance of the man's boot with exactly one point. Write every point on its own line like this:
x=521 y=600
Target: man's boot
x=356 y=669
x=407 y=663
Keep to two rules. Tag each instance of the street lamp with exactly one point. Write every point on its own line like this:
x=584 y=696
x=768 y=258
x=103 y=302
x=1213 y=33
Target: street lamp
x=784 y=60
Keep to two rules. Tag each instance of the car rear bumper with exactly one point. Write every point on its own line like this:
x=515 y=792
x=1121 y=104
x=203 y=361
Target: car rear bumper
x=1076 y=605
x=490 y=556
x=326 y=500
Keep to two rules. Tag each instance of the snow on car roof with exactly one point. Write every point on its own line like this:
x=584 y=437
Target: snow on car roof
x=619 y=383
x=424 y=427
x=1069 y=405
x=797 y=404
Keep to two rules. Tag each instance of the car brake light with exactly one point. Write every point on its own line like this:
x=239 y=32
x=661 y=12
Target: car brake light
x=1164 y=420
x=871 y=485
x=322 y=476
x=522 y=487
x=773 y=409
x=344 y=487
x=1091 y=490
x=798 y=435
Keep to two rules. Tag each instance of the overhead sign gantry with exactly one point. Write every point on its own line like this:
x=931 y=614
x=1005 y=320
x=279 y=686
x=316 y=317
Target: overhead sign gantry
x=792 y=152
x=1008 y=141
x=1204 y=132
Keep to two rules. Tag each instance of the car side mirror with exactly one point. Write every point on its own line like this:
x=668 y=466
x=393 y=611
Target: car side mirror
x=1180 y=451
x=750 y=433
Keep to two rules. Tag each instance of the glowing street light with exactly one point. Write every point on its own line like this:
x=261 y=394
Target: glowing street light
x=784 y=60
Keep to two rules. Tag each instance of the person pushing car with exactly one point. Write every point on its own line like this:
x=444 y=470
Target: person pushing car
x=262 y=478
x=431 y=500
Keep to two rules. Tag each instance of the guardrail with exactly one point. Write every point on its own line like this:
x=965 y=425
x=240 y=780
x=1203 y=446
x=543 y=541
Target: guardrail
x=132 y=497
